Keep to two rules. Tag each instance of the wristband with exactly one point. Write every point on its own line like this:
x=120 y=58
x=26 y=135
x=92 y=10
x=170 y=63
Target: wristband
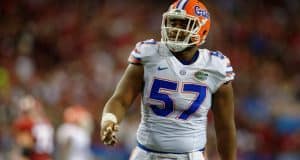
x=109 y=117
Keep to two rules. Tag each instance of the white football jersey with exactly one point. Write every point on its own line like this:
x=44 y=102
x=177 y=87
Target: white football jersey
x=177 y=97
x=43 y=134
x=79 y=140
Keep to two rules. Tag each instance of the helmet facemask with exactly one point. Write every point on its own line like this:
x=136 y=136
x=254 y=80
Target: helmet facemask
x=179 y=30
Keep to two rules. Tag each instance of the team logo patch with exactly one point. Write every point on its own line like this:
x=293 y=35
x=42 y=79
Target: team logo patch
x=201 y=76
x=201 y=12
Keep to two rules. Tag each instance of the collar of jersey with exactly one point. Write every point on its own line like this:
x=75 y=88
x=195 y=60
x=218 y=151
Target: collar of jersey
x=194 y=58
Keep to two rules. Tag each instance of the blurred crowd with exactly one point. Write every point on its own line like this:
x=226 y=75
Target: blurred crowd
x=72 y=53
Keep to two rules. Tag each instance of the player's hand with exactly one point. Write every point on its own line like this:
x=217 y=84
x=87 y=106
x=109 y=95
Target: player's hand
x=108 y=133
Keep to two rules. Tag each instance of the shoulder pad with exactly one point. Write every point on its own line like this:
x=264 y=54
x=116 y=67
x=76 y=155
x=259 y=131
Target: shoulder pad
x=222 y=64
x=142 y=51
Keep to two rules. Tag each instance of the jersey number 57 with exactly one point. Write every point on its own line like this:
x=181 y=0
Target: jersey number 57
x=164 y=98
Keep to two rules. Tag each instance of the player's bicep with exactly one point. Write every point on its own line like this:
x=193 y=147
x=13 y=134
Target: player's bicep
x=223 y=106
x=130 y=84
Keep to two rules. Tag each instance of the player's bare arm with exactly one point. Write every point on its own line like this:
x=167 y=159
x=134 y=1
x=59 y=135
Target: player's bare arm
x=223 y=110
x=125 y=93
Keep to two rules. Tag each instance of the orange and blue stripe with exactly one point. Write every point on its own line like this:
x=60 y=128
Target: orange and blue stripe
x=181 y=4
x=134 y=60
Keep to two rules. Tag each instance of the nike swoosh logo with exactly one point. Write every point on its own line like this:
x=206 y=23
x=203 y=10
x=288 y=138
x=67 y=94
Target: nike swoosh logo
x=162 y=68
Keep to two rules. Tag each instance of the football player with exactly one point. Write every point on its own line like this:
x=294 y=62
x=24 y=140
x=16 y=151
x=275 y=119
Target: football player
x=74 y=134
x=179 y=84
x=33 y=131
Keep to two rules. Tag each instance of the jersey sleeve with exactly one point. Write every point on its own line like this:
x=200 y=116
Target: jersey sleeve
x=142 y=52
x=135 y=55
x=225 y=72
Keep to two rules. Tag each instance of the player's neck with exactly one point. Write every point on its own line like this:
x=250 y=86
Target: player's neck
x=186 y=55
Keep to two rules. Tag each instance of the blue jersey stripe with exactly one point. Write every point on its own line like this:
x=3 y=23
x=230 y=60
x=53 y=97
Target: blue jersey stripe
x=151 y=150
